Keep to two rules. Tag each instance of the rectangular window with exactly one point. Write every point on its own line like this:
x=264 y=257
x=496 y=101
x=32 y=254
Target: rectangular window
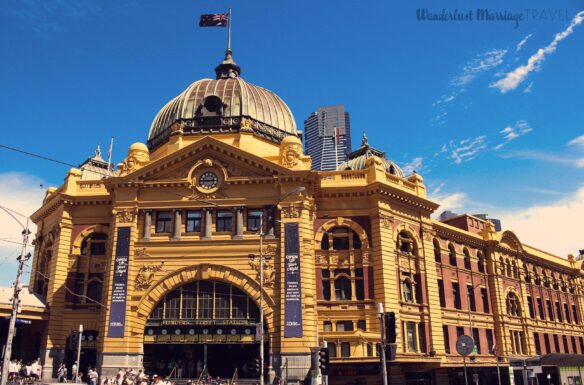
x=238 y=303
x=345 y=349
x=456 y=295
x=557 y=343
x=446 y=338
x=537 y=344
x=418 y=288
x=490 y=341
x=549 y=309
x=546 y=341
x=581 y=345
x=575 y=314
x=411 y=338
x=477 y=339
x=78 y=288
x=332 y=348
x=326 y=284
x=459 y=331
x=193 y=224
x=565 y=344
x=359 y=284
x=221 y=300
x=540 y=308
x=574 y=347
x=471 y=298
x=224 y=220
x=328 y=326
x=530 y=306
x=172 y=305
x=422 y=337
x=441 y=293
x=205 y=304
x=163 y=221
x=254 y=217
x=559 y=312
x=189 y=301
x=485 y=299
x=97 y=247
x=361 y=324
x=344 y=326
x=567 y=313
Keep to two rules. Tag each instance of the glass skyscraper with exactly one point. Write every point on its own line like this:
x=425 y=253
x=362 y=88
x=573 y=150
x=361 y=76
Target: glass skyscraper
x=327 y=136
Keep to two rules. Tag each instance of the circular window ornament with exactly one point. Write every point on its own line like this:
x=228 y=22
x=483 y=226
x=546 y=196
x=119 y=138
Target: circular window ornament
x=247 y=331
x=90 y=338
x=233 y=332
x=150 y=332
x=192 y=332
x=177 y=332
x=205 y=331
x=219 y=331
x=164 y=332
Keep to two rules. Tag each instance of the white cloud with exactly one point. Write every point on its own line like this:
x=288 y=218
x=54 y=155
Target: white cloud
x=465 y=150
x=535 y=225
x=510 y=133
x=577 y=141
x=417 y=164
x=480 y=63
x=512 y=79
x=448 y=201
x=522 y=42
x=528 y=88
x=21 y=193
x=544 y=157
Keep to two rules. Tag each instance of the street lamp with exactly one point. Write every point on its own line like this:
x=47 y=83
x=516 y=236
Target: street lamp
x=22 y=258
x=297 y=190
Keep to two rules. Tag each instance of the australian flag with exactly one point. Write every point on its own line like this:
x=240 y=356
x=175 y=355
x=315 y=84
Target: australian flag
x=215 y=20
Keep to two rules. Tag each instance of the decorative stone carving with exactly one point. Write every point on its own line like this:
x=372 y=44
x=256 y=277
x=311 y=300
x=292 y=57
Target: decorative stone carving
x=386 y=221
x=145 y=275
x=269 y=273
x=177 y=128
x=138 y=156
x=246 y=125
x=126 y=215
x=141 y=253
x=291 y=152
x=366 y=258
x=292 y=211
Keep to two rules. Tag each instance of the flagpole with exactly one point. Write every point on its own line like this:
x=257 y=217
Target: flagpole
x=229 y=30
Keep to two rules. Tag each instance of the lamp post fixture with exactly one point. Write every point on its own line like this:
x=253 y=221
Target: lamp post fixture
x=22 y=258
x=297 y=190
x=381 y=315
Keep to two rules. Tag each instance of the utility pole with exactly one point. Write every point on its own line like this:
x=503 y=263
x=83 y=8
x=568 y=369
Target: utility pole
x=381 y=315
x=79 y=338
x=22 y=258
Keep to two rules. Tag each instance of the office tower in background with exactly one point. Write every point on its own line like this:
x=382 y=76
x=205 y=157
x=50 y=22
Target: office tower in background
x=327 y=137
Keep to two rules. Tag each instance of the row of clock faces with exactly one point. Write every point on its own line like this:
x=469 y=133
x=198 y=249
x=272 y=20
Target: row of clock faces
x=192 y=331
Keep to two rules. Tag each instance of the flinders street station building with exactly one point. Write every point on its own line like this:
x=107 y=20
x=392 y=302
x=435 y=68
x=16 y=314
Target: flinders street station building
x=161 y=261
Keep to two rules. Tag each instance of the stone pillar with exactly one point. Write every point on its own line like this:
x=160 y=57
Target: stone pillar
x=208 y=229
x=177 y=225
x=147 y=225
x=238 y=223
x=269 y=222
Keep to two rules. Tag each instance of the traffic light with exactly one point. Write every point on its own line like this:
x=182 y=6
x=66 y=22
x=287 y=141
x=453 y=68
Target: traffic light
x=256 y=365
x=323 y=361
x=390 y=327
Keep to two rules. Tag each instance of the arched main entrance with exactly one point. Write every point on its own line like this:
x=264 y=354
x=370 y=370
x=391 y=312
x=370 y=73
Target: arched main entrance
x=202 y=325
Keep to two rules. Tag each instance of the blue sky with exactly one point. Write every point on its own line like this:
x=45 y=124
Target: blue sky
x=484 y=110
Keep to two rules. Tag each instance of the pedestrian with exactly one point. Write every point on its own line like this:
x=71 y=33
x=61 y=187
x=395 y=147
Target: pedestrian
x=62 y=373
x=92 y=374
x=74 y=372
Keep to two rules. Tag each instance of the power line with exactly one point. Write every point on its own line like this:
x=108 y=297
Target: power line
x=36 y=155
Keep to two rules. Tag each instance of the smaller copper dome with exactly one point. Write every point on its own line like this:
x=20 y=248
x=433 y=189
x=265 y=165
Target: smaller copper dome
x=357 y=159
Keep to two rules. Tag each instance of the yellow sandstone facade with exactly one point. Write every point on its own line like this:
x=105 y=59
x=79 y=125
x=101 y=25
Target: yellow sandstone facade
x=154 y=258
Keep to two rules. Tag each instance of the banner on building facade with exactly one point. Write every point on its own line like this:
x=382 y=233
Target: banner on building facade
x=117 y=319
x=292 y=291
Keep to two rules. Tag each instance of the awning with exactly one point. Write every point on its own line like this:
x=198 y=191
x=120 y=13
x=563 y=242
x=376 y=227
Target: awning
x=552 y=359
x=32 y=305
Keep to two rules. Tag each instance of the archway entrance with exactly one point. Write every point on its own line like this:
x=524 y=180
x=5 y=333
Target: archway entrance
x=203 y=327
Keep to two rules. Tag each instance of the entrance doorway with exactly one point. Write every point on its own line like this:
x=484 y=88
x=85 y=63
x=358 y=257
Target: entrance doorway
x=188 y=360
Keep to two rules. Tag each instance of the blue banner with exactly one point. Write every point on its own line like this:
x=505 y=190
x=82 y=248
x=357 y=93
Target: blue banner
x=117 y=319
x=292 y=290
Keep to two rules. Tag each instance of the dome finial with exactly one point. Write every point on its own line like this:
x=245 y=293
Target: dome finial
x=364 y=141
x=228 y=67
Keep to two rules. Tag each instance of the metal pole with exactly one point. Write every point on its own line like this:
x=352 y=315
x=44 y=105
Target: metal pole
x=79 y=353
x=15 y=302
x=325 y=377
x=498 y=371
x=382 y=334
x=465 y=376
x=229 y=30
x=261 y=300
x=525 y=378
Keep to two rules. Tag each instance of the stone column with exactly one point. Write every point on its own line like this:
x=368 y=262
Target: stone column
x=238 y=223
x=269 y=221
x=147 y=225
x=208 y=230
x=177 y=225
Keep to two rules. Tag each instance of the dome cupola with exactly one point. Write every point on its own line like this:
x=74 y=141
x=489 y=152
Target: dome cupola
x=357 y=160
x=226 y=104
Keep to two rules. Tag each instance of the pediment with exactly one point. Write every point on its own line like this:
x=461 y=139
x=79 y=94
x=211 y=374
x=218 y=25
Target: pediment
x=235 y=163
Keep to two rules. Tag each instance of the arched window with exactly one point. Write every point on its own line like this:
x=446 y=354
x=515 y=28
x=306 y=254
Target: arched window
x=437 y=251
x=406 y=244
x=482 y=262
x=501 y=266
x=343 y=288
x=451 y=254
x=509 y=269
x=85 y=283
x=515 y=270
x=324 y=243
x=467 y=264
x=513 y=306
x=341 y=238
